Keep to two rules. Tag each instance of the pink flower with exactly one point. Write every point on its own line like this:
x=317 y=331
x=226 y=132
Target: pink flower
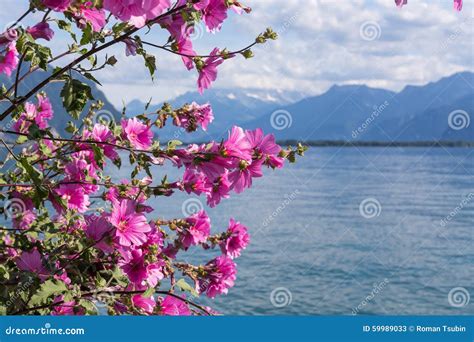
x=236 y=241
x=214 y=14
x=242 y=177
x=10 y=61
x=237 y=145
x=458 y=5
x=139 y=134
x=137 y=12
x=40 y=114
x=208 y=72
x=24 y=220
x=133 y=265
x=44 y=111
x=195 y=182
x=57 y=5
x=130 y=47
x=100 y=230
x=32 y=262
x=143 y=303
x=262 y=144
x=102 y=133
x=139 y=271
x=198 y=231
x=25 y=216
x=221 y=276
x=66 y=308
x=220 y=189
x=265 y=147
x=154 y=273
x=41 y=31
x=185 y=47
x=172 y=306
x=74 y=196
x=131 y=226
x=77 y=171
x=400 y=3
x=94 y=16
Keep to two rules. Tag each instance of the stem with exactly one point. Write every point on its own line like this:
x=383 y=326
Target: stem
x=163 y=47
x=32 y=70
x=18 y=75
x=93 y=51
x=80 y=141
x=21 y=18
x=89 y=294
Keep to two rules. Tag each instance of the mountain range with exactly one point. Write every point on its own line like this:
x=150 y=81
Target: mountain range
x=437 y=111
x=61 y=117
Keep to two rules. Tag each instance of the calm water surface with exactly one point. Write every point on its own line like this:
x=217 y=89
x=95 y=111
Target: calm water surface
x=351 y=230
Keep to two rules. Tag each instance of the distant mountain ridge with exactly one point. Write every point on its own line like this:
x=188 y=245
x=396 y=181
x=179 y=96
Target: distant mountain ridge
x=360 y=113
x=343 y=113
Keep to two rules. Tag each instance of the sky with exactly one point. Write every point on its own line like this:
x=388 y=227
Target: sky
x=321 y=43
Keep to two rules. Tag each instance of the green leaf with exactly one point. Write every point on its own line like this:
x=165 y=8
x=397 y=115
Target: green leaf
x=66 y=26
x=184 y=286
x=172 y=144
x=99 y=156
x=89 y=76
x=150 y=63
x=48 y=289
x=87 y=34
x=75 y=95
x=90 y=308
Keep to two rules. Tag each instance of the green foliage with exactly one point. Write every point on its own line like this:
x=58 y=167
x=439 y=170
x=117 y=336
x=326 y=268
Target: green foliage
x=36 y=54
x=75 y=95
x=48 y=290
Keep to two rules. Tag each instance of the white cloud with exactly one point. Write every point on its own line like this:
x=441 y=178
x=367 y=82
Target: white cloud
x=320 y=44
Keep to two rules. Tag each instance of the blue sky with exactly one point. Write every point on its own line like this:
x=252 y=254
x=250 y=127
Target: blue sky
x=321 y=43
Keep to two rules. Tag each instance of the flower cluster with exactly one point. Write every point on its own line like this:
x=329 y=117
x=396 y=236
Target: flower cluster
x=216 y=169
x=76 y=236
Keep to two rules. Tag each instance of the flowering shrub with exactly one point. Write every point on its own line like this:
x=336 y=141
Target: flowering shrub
x=74 y=238
x=77 y=238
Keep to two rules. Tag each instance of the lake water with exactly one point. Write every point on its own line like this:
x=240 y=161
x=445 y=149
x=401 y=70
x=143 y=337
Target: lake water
x=351 y=230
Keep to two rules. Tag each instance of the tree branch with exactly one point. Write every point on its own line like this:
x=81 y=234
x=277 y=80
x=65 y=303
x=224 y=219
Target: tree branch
x=93 y=51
